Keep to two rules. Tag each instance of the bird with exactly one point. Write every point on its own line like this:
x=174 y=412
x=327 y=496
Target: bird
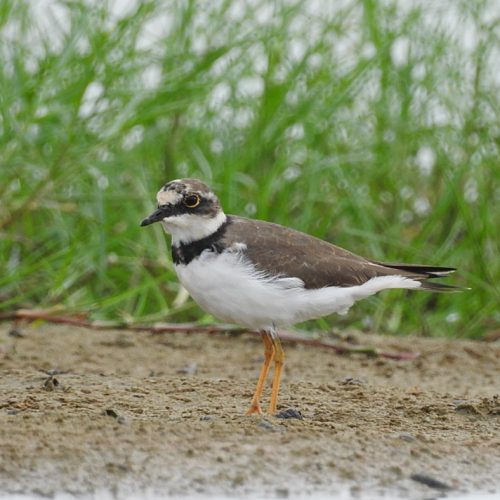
x=265 y=276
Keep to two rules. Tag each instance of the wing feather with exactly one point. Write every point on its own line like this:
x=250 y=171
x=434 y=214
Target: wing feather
x=285 y=252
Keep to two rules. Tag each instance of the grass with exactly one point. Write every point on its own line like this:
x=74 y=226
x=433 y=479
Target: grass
x=371 y=124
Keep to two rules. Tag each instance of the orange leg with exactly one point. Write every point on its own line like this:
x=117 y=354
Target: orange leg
x=268 y=357
x=279 y=360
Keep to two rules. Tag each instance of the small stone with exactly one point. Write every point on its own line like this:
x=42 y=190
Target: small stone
x=430 y=482
x=406 y=436
x=109 y=412
x=352 y=381
x=268 y=426
x=289 y=413
x=50 y=383
x=14 y=332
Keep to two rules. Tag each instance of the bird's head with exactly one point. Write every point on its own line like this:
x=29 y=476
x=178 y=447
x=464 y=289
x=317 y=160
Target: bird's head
x=187 y=209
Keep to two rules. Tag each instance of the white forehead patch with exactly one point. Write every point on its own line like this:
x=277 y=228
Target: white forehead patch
x=168 y=197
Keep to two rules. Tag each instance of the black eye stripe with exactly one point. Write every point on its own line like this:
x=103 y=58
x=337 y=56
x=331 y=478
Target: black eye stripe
x=191 y=202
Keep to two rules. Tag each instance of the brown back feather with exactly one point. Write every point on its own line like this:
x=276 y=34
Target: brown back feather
x=287 y=252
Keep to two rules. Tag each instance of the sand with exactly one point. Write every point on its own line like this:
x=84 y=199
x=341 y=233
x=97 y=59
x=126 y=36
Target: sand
x=85 y=411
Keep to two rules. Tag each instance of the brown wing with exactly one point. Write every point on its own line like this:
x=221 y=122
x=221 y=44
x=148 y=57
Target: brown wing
x=286 y=252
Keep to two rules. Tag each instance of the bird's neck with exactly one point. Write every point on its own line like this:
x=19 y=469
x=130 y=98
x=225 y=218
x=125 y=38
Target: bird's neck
x=187 y=228
x=184 y=253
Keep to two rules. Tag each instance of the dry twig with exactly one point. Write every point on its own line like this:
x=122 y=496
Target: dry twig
x=80 y=320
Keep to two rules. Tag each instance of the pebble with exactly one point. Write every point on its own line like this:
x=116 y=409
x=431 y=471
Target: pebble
x=15 y=333
x=109 y=412
x=289 y=413
x=268 y=426
x=50 y=383
x=352 y=381
x=406 y=436
x=430 y=482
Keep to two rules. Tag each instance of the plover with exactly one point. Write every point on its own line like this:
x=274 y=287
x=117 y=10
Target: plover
x=263 y=276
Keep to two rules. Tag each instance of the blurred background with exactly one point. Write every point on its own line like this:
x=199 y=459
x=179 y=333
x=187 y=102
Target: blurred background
x=372 y=124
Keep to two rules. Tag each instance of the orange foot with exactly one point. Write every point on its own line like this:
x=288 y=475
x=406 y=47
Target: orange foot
x=255 y=408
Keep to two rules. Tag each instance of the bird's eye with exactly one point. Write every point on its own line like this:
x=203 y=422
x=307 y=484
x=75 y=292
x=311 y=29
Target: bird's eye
x=191 y=201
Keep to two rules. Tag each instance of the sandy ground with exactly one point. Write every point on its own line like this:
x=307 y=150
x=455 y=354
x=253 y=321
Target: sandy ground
x=83 y=411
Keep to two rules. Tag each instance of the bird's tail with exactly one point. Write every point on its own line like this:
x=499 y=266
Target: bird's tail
x=424 y=273
x=441 y=287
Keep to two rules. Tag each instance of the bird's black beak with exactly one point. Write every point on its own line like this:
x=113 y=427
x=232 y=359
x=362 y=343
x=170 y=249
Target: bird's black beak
x=156 y=216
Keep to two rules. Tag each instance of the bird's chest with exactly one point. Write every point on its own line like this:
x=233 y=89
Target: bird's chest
x=207 y=271
x=228 y=287
x=216 y=282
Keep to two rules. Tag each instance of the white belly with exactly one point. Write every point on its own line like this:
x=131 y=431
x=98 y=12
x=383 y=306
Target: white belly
x=228 y=287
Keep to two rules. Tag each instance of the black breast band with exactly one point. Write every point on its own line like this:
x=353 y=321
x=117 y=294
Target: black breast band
x=186 y=252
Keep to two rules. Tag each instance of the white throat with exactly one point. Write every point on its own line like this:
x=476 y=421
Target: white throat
x=186 y=228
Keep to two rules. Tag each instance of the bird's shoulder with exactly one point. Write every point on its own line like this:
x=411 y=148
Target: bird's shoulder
x=258 y=233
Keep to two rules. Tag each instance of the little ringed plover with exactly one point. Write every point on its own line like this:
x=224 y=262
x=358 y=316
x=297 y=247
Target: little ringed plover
x=262 y=275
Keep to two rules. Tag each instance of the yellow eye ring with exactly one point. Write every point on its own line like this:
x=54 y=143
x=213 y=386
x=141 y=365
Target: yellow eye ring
x=191 y=201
